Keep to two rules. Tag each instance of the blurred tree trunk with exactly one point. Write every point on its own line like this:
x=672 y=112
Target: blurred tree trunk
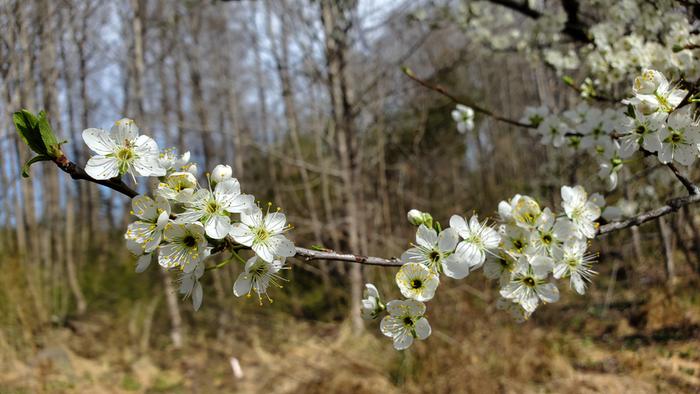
x=667 y=244
x=336 y=23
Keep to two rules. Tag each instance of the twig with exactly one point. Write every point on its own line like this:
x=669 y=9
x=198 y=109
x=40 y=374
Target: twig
x=692 y=188
x=310 y=255
x=475 y=107
x=671 y=206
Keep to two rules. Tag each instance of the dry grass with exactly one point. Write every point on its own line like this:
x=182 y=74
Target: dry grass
x=645 y=347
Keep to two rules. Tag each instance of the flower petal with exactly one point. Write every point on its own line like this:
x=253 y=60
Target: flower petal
x=101 y=167
x=98 y=141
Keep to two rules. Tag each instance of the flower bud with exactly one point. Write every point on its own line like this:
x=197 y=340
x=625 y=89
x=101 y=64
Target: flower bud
x=221 y=173
x=415 y=217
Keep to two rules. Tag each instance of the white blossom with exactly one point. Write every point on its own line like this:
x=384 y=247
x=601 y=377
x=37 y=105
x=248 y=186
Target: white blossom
x=573 y=262
x=479 y=239
x=464 y=116
x=264 y=234
x=417 y=281
x=529 y=285
x=405 y=323
x=431 y=249
x=185 y=246
x=213 y=208
x=580 y=209
x=257 y=276
x=371 y=303
x=120 y=151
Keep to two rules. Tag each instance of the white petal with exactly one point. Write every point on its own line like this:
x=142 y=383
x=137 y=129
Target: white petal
x=275 y=222
x=124 y=129
x=460 y=225
x=252 y=218
x=242 y=285
x=281 y=246
x=218 y=226
x=264 y=251
x=99 y=142
x=426 y=237
x=148 y=166
x=242 y=234
x=388 y=324
x=143 y=262
x=422 y=328
x=455 y=268
x=197 y=295
x=101 y=167
x=548 y=292
x=402 y=342
x=144 y=208
x=447 y=240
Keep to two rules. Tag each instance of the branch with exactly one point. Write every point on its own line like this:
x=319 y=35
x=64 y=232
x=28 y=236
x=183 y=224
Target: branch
x=692 y=188
x=672 y=205
x=574 y=28
x=477 y=108
x=310 y=255
x=76 y=172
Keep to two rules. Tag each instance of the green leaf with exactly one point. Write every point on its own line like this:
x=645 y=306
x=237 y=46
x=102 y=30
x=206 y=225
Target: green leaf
x=47 y=135
x=630 y=111
x=35 y=159
x=568 y=80
x=28 y=129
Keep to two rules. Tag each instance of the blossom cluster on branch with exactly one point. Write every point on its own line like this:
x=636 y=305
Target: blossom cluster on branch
x=184 y=222
x=526 y=250
x=654 y=121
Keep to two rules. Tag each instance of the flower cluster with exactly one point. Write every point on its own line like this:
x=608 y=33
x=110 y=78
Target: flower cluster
x=652 y=123
x=530 y=247
x=182 y=223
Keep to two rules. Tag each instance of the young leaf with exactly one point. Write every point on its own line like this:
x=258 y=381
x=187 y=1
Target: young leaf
x=27 y=127
x=35 y=159
x=47 y=135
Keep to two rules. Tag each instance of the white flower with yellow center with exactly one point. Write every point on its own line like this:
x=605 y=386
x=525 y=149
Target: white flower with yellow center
x=264 y=234
x=431 y=249
x=153 y=216
x=417 y=281
x=653 y=92
x=257 y=276
x=479 y=239
x=573 y=262
x=120 y=151
x=213 y=208
x=185 y=246
x=580 y=209
x=528 y=285
x=678 y=140
x=405 y=323
x=371 y=303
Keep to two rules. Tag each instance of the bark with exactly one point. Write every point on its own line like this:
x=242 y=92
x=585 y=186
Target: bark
x=336 y=24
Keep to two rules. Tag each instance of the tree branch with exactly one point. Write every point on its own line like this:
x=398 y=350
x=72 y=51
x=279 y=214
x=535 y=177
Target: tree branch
x=475 y=107
x=673 y=205
x=692 y=188
x=574 y=28
x=76 y=172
